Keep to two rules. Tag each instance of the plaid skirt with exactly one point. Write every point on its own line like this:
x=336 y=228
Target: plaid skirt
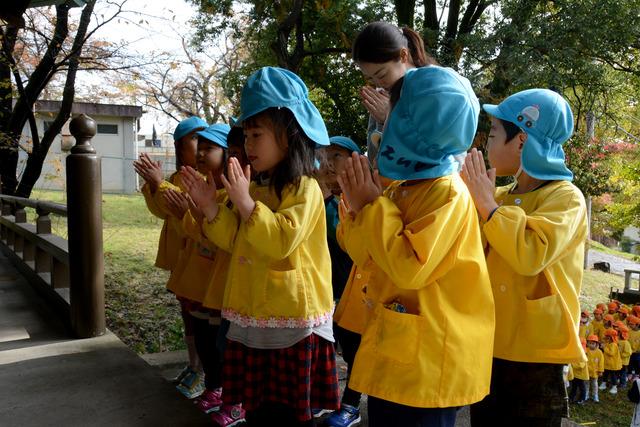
x=302 y=376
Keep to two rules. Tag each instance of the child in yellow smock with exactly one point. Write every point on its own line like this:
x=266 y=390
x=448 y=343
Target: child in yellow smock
x=612 y=361
x=580 y=374
x=171 y=243
x=279 y=354
x=597 y=324
x=426 y=348
x=634 y=339
x=536 y=230
x=585 y=328
x=625 y=350
x=188 y=280
x=595 y=362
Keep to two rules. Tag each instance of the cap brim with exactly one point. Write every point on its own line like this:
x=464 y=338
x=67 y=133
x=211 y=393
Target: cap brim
x=494 y=110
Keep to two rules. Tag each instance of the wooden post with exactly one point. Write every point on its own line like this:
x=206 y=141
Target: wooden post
x=42 y=257
x=84 y=223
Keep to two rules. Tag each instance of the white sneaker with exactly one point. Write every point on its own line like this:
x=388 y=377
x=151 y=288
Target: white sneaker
x=613 y=390
x=603 y=386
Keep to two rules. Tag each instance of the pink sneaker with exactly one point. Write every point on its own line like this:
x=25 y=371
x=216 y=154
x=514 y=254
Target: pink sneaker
x=210 y=400
x=228 y=415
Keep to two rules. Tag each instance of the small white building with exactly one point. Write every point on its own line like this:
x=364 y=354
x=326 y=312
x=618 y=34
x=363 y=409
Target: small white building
x=116 y=142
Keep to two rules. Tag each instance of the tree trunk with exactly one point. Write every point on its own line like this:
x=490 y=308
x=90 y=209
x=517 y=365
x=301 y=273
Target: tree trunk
x=405 y=10
x=431 y=27
x=8 y=163
x=12 y=128
x=36 y=159
x=501 y=83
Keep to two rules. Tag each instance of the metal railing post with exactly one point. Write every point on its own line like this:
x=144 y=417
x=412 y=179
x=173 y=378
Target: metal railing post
x=84 y=220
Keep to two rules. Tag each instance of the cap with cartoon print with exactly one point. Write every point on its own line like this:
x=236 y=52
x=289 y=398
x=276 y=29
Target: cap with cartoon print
x=546 y=118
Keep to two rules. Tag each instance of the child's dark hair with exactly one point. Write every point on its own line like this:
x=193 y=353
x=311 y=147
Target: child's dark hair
x=511 y=129
x=380 y=42
x=300 y=158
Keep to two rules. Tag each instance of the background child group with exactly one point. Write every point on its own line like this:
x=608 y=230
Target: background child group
x=441 y=289
x=612 y=341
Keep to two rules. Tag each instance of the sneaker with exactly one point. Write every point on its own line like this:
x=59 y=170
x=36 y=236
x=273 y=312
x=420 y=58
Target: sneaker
x=347 y=416
x=187 y=370
x=210 y=401
x=603 y=386
x=192 y=386
x=596 y=400
x=317 y=413
x=228 y=415
x=613 y=390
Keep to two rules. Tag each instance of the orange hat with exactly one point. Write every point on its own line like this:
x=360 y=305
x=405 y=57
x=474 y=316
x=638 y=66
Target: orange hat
x=585 y=313
x=633 y=320
x=597 y=311
x=613 y=306
x=608 y=318
x=612 y=333
x=636 y=310
x=623 y=309
x=593 y=338
x=620 y=325
x=602 y=306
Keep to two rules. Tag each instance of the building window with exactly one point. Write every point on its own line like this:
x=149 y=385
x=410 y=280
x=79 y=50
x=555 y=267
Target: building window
x=109 y=129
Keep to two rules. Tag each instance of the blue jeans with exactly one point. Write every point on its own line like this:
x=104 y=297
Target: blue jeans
x=383 y=413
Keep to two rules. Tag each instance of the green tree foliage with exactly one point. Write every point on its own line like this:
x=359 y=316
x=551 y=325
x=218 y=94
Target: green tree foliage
x=311 y=38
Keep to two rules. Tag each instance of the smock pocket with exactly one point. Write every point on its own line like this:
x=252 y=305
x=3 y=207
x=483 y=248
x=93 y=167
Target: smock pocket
x=397 y=335
x=283 y=289
x=544 y=323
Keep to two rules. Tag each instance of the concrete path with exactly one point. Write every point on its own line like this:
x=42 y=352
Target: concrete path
x=48 y=379
x=618 y=264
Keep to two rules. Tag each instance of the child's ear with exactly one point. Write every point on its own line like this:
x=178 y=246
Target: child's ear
x=522 y=138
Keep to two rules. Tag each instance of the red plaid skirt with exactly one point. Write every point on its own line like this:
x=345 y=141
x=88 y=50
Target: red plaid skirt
x=302 y=376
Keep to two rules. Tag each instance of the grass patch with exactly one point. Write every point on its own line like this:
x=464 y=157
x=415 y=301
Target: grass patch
x=139 y=309
x=596 y=286
x=602 y=248
x=612 y=411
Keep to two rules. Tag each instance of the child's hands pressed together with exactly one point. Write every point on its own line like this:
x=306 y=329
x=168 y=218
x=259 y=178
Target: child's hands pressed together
x=177 y=203
x=359 y=186
x=149 y=170
x=481 y=184
x=237 y=186
x=203 y=193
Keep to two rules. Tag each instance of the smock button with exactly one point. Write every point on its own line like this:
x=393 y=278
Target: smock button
x=503 y=288
x=358 y=276
x=518 y=201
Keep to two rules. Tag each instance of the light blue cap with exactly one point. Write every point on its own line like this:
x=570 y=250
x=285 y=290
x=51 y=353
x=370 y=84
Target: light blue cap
x=216 y=133
x=546 y=118
x=435 y=118
x=345 y=142
x=276 y=87
x=187 y=126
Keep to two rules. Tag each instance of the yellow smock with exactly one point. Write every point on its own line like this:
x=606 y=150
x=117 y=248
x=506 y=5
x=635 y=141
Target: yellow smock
x=535 y=259
x=423 y=248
